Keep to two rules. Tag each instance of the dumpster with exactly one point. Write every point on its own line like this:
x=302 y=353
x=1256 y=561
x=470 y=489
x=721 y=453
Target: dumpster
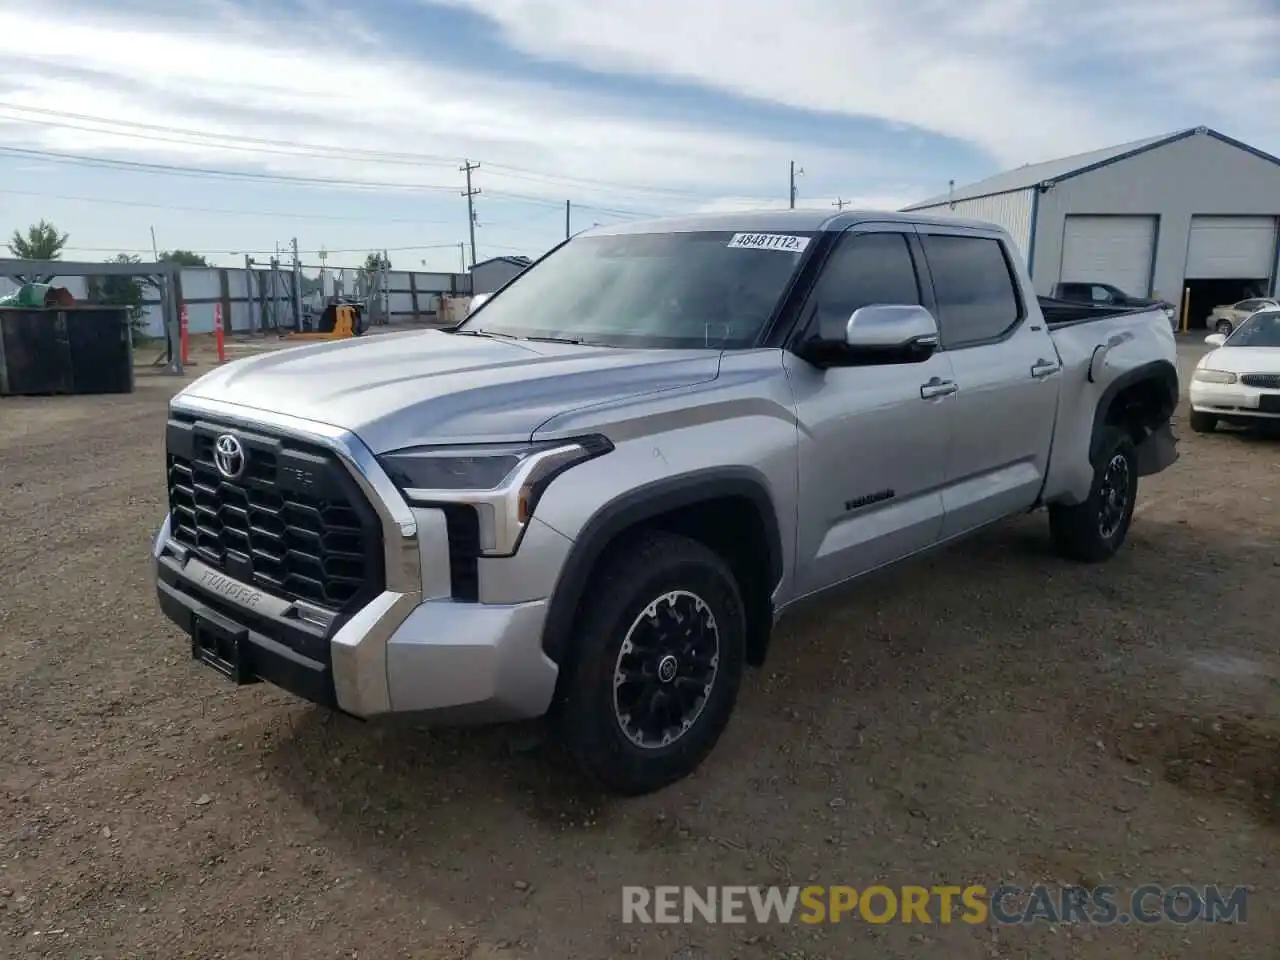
x=61 y=350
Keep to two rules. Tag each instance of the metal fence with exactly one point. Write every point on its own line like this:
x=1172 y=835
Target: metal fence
x=264 y=299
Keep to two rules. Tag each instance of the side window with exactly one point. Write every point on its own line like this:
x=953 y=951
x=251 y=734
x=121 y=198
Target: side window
x=1248 y=304
x=1101 y=295
x=864 y=269
x=974 y=287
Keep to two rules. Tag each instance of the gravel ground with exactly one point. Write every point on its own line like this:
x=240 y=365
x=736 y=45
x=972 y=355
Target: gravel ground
x=988 y=714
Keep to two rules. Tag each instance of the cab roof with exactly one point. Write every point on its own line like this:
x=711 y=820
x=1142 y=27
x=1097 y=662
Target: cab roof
x=796 y=221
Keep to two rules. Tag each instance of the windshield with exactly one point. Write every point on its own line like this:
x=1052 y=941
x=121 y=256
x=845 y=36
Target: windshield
x=1260 y=330
x=710 y=289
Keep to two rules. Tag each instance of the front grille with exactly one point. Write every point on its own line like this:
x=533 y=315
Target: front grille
x=1267 y=381
x=294 y=522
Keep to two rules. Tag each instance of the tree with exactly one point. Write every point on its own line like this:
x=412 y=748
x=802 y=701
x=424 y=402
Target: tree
x=124 y=291
x=375 y=262
x=42 y=242
x=184 y=258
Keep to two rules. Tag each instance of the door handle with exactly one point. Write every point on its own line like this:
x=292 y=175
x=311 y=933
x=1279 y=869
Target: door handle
x=1044 y=368
x=937 y=387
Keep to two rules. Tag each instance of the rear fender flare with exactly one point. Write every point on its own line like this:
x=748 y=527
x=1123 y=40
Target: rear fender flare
x=1159 y=370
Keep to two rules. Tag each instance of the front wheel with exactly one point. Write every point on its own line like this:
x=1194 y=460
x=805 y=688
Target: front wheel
x=656 y=667
x=1203 y=422
x=1093 y=531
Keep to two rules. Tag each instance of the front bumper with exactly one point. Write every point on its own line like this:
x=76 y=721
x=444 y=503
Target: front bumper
x=1234 y=400
x=411 y=649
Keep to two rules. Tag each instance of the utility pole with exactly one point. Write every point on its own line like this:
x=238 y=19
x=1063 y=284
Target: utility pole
x=254 y=317
x=297 y=287
x=841 y=204
x=386 y=286
x=795 y=172
x=568 y=212
x=156 y=253
x=471 y=194
x=462 y=256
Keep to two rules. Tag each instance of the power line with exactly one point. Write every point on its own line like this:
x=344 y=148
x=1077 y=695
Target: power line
x=221 y=210
x=325 y=250
x=212 y=173
x=169 y=134
x=86 y=160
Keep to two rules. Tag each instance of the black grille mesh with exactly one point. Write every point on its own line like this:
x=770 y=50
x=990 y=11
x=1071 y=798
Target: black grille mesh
x=1266 y=381
x=294 y=523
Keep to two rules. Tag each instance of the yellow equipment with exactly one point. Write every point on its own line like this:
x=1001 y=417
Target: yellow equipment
x=339 y=321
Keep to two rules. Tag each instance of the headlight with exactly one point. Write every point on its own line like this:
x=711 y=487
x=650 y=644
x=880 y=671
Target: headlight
x=1205 y=375
x=501 y=482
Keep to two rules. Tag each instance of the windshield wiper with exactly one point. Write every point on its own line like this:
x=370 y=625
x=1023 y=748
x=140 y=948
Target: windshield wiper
x=484 y=333
x=555 y=339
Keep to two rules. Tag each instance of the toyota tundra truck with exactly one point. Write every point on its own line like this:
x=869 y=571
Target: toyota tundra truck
x=593 y=498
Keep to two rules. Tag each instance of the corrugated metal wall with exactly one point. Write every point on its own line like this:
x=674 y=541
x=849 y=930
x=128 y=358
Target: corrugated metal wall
x=1009 y=210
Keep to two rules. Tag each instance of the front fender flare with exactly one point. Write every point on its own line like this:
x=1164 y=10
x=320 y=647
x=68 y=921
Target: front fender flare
x=633 y=508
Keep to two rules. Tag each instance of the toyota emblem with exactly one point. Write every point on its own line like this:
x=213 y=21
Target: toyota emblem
x=228 y=456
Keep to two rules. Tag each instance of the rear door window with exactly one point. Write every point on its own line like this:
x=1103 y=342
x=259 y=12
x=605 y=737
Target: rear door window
x=977 y=297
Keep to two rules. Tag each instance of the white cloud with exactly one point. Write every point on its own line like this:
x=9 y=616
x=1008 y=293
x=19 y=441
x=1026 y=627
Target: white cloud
x=1023 y=79
x=237 y=77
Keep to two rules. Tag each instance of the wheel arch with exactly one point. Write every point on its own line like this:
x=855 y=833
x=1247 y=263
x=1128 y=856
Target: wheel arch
x=679 y=504
x=1142 y=400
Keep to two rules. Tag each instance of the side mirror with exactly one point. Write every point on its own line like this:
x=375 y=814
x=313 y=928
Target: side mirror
x=892 y=329
x=1215 y=339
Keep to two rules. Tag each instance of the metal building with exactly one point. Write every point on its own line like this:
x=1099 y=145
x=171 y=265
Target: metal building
x=1189 y=210
x=488 y=275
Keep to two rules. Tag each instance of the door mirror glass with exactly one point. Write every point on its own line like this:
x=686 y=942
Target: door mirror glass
x=1215 y=339
x=884 y=328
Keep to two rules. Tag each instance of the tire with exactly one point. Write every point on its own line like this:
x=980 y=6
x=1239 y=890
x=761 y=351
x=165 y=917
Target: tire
x=629 y=601
x=1093 y=531
x=1203 y=422
x=1223 y=327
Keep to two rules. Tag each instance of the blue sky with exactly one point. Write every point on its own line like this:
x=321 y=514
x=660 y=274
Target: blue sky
x=623 y=107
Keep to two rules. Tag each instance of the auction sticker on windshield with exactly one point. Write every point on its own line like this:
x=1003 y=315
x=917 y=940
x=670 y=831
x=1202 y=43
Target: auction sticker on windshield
x=770 y=241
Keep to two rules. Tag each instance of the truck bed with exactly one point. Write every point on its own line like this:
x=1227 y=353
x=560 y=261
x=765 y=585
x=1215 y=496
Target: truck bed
x=1064 y=313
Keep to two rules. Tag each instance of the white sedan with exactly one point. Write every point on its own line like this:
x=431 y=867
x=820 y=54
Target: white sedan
x=1239 y=382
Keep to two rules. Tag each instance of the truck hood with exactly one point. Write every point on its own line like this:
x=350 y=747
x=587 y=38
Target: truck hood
x=401 y=389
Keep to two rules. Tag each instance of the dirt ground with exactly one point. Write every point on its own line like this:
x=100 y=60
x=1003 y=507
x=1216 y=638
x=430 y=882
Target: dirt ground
x=989 y=714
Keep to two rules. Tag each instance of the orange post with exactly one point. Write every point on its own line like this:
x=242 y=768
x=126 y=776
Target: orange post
x=183 y=336
x=217 y=333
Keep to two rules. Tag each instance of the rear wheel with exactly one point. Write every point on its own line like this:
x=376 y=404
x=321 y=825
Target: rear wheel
x=658 y=661
x=1203 y=422
x=1093 y=531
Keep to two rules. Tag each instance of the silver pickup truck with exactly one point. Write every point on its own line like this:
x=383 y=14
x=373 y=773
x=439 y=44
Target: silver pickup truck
x=593 y=498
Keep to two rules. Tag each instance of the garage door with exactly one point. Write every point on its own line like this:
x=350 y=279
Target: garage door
x=1231 y=248
x=1115 y=250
